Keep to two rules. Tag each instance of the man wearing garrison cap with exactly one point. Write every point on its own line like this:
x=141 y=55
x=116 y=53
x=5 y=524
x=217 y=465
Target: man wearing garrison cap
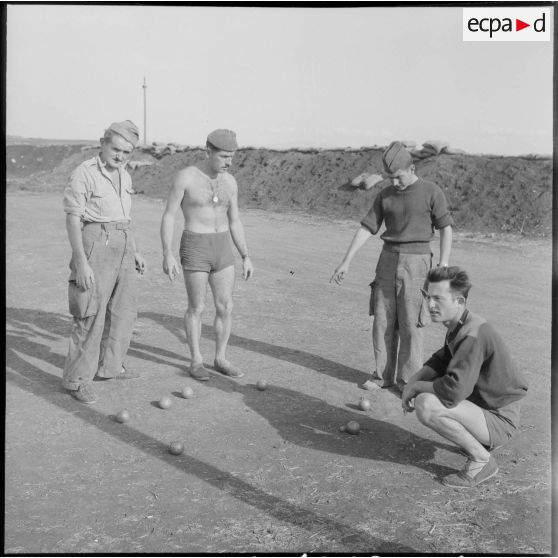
x=102 y=284
x=410 y=208
x=208 y=196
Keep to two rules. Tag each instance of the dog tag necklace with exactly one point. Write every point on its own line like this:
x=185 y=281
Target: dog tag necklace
x=214 y=184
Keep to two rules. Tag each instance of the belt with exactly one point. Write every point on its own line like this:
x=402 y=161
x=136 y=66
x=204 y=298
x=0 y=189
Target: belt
x=416 y=248
x=110 y=226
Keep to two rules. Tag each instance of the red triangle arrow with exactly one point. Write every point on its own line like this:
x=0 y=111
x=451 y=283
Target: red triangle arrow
x=519 y=25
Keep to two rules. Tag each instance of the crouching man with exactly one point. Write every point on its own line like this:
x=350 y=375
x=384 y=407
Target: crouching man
x=469 y=391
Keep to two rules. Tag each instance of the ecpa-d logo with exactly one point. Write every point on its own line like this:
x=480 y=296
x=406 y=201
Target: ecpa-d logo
x=506 y=24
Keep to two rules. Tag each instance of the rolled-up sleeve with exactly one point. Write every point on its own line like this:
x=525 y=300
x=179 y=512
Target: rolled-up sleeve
x=75 y=193
x=374 y=218
x=441 y=217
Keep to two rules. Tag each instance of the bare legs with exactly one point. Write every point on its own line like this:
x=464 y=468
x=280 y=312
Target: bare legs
x=464 y=424
x=196 y=287
x=221 y=283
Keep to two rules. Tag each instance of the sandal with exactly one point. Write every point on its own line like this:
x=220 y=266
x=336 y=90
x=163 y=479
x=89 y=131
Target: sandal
x=228 y=369
x=199 y=372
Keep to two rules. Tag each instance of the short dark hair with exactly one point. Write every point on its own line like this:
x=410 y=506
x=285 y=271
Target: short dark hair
x=458 y=278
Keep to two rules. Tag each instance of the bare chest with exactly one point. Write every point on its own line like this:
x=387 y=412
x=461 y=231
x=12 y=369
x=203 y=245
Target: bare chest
x=209 y=192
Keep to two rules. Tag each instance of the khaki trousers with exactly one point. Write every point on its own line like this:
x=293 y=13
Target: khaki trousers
x=103 y=315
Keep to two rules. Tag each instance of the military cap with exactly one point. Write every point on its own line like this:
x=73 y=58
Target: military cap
x=223 y=139
x=396 y=157
x=127 y=129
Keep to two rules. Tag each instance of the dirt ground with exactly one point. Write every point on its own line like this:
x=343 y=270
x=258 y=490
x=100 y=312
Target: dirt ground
x=263 y=471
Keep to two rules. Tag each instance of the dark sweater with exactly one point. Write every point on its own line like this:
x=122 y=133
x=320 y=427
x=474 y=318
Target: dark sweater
x=410 y=216
x=475 y=364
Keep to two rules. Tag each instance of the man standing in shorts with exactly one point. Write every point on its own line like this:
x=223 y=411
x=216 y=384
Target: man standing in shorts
x=469 y=391
x=411 y=208
x=208 y=196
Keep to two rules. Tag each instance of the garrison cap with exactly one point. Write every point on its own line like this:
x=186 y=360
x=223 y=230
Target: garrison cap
x=396 y=157
x=224 y=140
x=127 y=129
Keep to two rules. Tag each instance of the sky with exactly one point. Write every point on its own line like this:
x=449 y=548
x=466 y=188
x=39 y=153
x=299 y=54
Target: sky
x=279 y=77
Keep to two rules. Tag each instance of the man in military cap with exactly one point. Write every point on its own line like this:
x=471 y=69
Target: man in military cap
x=410 y=208
x=102 y=284
x=208 y=196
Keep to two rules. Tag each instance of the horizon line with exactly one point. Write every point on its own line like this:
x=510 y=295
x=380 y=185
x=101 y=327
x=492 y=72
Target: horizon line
x=93 y=143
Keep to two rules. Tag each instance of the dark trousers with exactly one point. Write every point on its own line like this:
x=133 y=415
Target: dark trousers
x=397 y=331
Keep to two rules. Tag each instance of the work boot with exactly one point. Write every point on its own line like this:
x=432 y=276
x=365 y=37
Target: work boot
x=83 y=394
x=125 y=374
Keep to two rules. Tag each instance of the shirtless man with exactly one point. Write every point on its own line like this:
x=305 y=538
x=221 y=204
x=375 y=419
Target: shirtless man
x=208 y=196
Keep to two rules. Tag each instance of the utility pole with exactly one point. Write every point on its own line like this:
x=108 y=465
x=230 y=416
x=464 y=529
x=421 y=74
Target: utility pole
x=144 y=112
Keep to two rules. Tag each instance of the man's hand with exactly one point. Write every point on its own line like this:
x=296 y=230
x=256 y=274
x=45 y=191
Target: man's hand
x=408 y=398
x=339 y=273
x=85 y=277
x=247 y=268
x=141 y=266
x=170 y=267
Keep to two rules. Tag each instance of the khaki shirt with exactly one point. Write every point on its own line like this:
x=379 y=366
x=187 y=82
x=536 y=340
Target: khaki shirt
x=92 y=196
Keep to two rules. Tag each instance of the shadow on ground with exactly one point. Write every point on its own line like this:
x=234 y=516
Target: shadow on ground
x=26 y=326
x=294 y=356
x=310 y=422
x=299 y=418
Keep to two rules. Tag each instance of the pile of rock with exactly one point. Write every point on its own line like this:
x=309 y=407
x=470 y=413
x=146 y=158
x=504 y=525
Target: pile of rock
x=434 y=148
x=159 y=150
x=133 y=165
x=368 y=179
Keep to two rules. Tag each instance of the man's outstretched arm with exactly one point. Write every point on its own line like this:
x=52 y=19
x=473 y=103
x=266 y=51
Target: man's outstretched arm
x=358 y=241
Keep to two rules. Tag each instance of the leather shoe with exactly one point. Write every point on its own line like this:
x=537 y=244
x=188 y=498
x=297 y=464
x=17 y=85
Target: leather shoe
x=127 y=375
x=83 y=394
x=124 y=375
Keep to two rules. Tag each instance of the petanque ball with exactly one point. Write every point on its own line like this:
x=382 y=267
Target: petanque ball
x=364 y=404
x=187 y=392
x=123 y=416
x=261 y=385
x=352 y=427
x=176 y=448
x=165 y=402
